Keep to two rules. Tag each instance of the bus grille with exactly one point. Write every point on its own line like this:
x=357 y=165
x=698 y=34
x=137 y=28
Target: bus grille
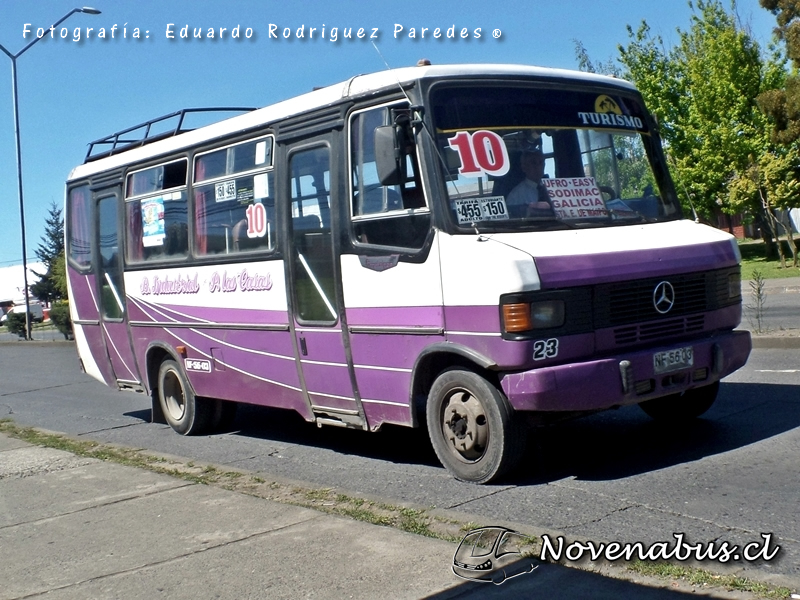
x=631 y=303
x=647 y=332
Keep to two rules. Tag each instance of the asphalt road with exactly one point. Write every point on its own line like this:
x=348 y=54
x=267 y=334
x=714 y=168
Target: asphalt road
x=616 y=476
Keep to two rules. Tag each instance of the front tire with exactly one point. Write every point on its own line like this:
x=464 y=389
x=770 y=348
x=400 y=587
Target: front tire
x=185 y=413
x=472 y=427
x=684 y=406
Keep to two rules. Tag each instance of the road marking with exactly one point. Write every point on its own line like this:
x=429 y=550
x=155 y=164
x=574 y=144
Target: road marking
x=777 y=370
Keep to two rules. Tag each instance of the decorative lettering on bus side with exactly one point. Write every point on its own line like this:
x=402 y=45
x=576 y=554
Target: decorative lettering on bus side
x=243 y=281
x=162 y=285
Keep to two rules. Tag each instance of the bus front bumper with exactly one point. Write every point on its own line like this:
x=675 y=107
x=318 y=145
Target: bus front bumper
x=627 y=377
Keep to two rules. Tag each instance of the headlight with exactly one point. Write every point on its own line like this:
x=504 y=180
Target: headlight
x=734 y=285
x=525 y=316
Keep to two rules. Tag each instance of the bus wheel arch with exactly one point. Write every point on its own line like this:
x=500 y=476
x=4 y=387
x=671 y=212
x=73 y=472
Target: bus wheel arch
x=435 y=360
x=186 y=413
x=472 y=427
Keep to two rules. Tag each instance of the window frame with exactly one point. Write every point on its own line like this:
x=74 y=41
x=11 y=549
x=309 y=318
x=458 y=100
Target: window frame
x=127 y=200
x=350 y=167
x=268 y=169
x=87 y=266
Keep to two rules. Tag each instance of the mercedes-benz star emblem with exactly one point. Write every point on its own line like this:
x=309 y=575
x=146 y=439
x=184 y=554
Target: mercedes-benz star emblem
x=664 y=297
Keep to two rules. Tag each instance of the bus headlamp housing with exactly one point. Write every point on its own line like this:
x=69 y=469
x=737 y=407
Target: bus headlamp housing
x=734 y=285
x=527 y=316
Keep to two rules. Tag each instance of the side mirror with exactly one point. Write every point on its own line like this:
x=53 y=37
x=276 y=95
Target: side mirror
x=390 y=157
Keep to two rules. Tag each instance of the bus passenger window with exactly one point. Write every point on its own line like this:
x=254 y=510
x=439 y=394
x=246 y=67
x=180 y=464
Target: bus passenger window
x=156 y=213
x=234 y=199
x=79 y=245
x=384 y=215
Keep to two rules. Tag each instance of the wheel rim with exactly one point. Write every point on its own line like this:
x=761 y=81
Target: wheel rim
x=173 y=395
x=465 y=426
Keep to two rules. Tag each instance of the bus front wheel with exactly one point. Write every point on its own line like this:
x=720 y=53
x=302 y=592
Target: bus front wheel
x=184 y=412
x=472 y=428
x=684 y=406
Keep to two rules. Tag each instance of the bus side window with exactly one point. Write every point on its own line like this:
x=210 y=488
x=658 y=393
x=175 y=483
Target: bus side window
x=156 y=215
x=234 y=201
x=384 y=215
x=79 y=245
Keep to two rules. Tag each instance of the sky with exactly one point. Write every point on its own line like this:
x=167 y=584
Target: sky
x=80 y=87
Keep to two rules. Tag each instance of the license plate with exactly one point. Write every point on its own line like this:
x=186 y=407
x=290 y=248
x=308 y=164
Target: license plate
x=673 y=360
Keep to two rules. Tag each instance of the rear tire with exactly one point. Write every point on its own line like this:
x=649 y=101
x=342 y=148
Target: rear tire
x=473 y=430
x=185 y=413
x=684 y=406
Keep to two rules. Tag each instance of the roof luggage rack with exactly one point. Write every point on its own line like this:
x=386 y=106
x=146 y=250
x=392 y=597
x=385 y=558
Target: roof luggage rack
x=133 y=137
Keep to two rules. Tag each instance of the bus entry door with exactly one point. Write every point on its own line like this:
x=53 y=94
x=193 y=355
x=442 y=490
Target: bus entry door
x=113 y=314
x=324 y=362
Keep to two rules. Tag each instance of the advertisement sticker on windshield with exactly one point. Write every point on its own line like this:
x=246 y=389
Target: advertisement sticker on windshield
x=576 y=197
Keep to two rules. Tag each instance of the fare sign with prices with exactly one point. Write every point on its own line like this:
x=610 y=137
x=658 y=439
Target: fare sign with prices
x=481 y=209
x=576 y=198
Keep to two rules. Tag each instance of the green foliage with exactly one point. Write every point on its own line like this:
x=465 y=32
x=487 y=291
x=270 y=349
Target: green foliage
x=703 y=92
x=15 y=323
x=59 y=316
x=783 y=105
x=60 y=276
x=51 y=247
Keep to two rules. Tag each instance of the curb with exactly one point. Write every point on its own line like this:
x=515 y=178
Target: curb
x=775 y=342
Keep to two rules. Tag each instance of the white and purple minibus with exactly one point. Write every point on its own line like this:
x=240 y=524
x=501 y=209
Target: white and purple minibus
x=475 y=248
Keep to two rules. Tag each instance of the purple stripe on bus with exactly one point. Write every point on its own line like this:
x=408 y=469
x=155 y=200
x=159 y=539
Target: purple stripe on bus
x=378 y=414
x=390 y=386
x=333 y=380
x=561 y=271
x=82 y=298
x=384 y=350
x=97 y=347
x=473 y=318
x=231 y=385
x=391 y=316
x=230 y=359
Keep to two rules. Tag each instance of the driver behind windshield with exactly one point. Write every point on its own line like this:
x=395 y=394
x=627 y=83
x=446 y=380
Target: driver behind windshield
x=529 y=198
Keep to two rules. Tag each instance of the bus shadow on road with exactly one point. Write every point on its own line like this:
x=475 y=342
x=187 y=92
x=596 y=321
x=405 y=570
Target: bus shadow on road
x=605 y=446
x=392 y=443
x=626 y=442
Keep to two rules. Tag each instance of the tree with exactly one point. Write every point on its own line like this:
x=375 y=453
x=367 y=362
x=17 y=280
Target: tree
x=783 y=105
x=703 y=92
x=773 y=179
x=50 y=248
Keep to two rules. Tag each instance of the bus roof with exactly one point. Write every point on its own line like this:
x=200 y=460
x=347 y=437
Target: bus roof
x=352 y=88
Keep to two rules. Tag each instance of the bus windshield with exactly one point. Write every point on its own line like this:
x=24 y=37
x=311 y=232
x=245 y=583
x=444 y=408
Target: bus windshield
x=527 y=158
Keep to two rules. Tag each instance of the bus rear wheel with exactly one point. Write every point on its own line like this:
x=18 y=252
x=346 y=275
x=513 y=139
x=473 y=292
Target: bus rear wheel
x=472 y=428
x=684 y=406
x=186 y=413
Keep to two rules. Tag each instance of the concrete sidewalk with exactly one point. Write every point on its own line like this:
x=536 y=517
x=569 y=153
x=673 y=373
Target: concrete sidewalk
x=77 y=528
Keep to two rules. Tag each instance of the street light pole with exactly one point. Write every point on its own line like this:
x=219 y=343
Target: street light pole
x=14 y=57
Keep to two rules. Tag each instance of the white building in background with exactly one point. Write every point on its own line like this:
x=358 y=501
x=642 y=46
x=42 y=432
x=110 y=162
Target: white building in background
x=794 y=216
x=12 y=282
